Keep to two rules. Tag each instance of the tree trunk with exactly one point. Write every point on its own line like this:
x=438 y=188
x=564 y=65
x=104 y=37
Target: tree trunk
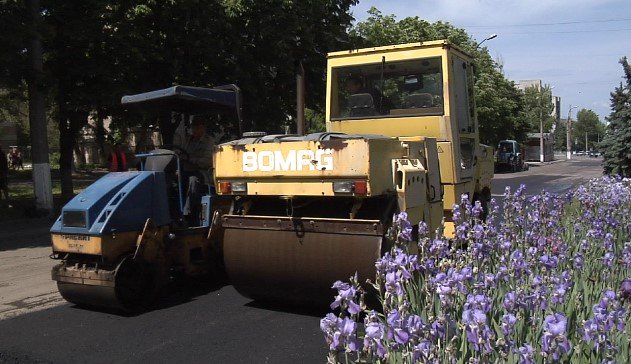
x=66 y=147
x=37 y=116
x=99 y=137
x=79 y=155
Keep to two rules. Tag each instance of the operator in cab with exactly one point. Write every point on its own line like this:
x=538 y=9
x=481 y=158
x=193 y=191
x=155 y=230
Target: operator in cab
x=196 y=157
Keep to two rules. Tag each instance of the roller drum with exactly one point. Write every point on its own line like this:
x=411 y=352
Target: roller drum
x=129 y=287
x=298 y=260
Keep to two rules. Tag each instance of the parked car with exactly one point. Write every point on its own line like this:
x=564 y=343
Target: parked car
x=508 y=156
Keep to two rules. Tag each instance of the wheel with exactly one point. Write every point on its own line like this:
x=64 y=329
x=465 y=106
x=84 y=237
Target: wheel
x=135 y=284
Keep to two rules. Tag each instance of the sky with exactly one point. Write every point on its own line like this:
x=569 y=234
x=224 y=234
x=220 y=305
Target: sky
x=572 y=45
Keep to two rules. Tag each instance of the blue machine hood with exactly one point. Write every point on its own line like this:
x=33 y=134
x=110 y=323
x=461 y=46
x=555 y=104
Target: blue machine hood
x=117 y=202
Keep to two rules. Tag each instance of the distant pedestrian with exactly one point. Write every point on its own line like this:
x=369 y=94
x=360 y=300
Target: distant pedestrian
x=117 y=159
x=14 y=159
x=20 y=164
x=4 y=176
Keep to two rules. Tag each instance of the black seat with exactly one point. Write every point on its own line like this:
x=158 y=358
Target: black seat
x=361 y=105
x=420 y=100
x=164 y=160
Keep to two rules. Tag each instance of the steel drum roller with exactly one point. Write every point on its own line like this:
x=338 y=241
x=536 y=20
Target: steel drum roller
x=297 y=260
x=129 y=287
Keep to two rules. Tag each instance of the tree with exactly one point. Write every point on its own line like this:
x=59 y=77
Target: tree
x=587 y=125
x=616 y=144
x=537 y=106
x=560 y=135
x=498 y=101
x=96 y=51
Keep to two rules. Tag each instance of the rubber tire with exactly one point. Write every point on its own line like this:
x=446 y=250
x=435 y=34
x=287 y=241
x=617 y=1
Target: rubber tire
x=135 y=285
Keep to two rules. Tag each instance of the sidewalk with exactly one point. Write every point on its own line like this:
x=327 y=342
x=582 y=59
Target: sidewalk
x=25 y=283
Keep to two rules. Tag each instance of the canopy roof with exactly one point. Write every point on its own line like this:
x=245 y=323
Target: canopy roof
x=188 y=99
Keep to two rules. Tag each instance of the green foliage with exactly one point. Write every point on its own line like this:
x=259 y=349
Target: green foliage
x=587 y=124
x=537 y=106
x=498 y=101
x=560 y=137
x=97 y=51
x=315 y=121
x=616 y=145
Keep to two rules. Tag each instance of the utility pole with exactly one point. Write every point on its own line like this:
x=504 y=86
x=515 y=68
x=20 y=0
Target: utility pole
x=585 y=142
x=541 y=155
x=37 y=115
x=568 y=130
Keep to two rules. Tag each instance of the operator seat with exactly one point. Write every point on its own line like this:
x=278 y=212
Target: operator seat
x=420 y=100
x=361 y=105
x=165 y=161
x=159 y=163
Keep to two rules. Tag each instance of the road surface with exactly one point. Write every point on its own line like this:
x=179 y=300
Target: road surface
x=199 y=323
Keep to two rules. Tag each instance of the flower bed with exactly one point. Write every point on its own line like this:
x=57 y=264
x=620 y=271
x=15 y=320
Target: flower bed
x=544 y=283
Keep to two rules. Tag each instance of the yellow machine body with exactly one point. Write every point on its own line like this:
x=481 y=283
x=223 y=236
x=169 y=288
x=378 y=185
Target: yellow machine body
x=313 y=209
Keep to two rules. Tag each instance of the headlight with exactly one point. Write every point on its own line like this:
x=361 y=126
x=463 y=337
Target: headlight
x=356 y=187
x=240 y=186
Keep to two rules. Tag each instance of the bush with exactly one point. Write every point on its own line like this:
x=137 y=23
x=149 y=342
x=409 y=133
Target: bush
x=547 y=283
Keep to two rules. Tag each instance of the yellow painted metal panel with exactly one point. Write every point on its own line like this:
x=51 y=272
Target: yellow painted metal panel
x=74 y=243
x=308 y=159
x=394 y=127
x=349 y=160
x=446 y=160
x=277 y=188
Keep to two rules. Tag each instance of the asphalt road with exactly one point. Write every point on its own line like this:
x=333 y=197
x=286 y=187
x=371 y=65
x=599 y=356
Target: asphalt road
x=198 y=323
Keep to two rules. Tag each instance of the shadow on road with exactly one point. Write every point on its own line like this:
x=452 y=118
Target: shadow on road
x=25 y=233
x=306 y=310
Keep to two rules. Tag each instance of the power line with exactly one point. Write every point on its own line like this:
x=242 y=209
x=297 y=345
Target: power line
x=568 y=31
x=547 y=24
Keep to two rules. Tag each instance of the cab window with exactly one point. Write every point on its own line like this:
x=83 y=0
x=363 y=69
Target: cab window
x=388 y=89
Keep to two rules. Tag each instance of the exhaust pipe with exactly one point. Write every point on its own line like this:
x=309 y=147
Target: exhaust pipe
x=300 y=99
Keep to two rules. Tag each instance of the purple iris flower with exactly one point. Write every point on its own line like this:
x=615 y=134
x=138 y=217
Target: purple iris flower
x=554 y=342
x=405 y=227
x=415 y=325
x=339 y=332
x=345 y=297
x=549 y=261
x=508 y=324
x=396 y=329
x=478 y=332
x=510 y=301
x=373 y=340
x=526 y=354
x=422 y=351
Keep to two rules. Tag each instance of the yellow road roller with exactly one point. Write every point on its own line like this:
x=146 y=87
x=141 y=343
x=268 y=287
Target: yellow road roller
x=402 y=135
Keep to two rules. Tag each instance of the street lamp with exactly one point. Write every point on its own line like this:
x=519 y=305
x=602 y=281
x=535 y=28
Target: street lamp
x=568 y=128
x=492 y=36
